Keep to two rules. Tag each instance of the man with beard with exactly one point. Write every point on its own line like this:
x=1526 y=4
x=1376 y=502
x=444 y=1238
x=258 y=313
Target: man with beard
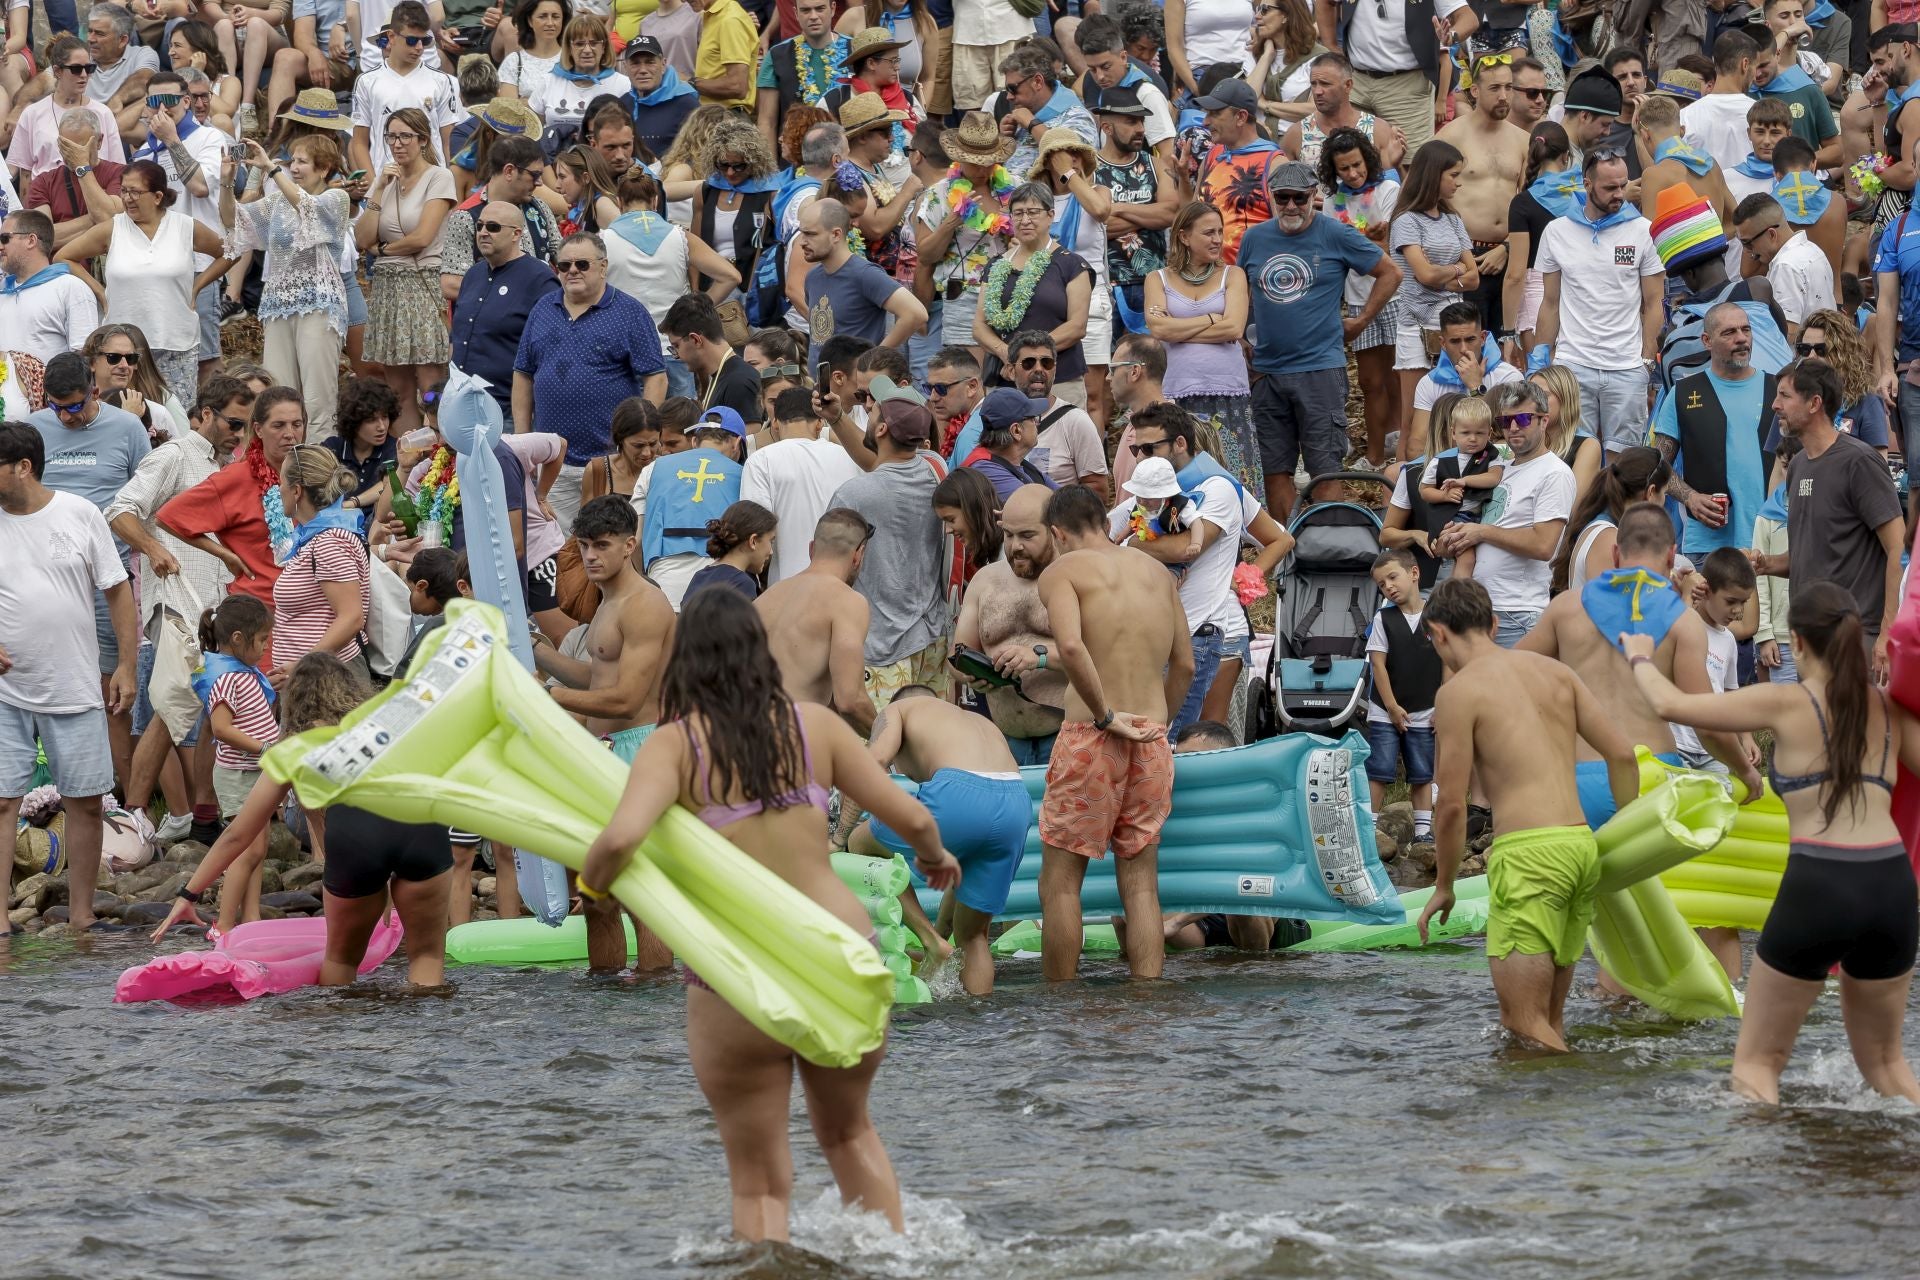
x=1895 y=51
x=1002 y=617
x=1493 y=169
x=847 y=295
x=817 y=623
x=1331 y=83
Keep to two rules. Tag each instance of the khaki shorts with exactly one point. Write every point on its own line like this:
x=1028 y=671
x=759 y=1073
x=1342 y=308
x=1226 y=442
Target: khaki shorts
x=975 y=74
x=1404 y=98
x=940 y=100
x=230 y=788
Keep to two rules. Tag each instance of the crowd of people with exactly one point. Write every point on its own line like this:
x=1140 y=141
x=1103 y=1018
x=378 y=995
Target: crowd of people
x=918 y=387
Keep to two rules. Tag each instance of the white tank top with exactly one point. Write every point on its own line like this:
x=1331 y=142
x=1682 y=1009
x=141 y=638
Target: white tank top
x=656 y=280
x=1217 y=32
x=1582 y=548
x=150 y=282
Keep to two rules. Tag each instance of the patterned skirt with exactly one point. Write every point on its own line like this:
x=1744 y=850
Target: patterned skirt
x=180 y=370
x=406 y=317
x=1229 y=419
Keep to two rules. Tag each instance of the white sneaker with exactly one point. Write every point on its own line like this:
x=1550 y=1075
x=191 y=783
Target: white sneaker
x=174 y=829
x=246 y=119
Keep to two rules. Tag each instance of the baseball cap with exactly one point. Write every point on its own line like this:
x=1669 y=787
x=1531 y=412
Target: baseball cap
x=1231 y=93
x=1005 y=406
x=724 y=418
x=1292 y=176
x=643 y=44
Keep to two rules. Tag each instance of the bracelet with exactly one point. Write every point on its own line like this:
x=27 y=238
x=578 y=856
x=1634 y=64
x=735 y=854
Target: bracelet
x=276 y=171
x=1104 y=721
x=587 y=892
x=191 y=895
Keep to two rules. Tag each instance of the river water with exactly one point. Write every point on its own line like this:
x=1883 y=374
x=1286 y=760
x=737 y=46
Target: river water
x=1248 y=1116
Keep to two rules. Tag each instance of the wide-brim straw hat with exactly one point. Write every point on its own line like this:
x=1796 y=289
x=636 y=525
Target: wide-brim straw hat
x=869 y=42
x=1062 y=140
x=977 y=141
x=865 y=111
x=318 y=109
x=509 y=117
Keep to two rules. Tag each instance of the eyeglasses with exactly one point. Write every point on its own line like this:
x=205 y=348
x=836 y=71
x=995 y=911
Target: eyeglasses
x=1036 y=362
x=1520 y=420
x=68 y=410
x=567 y=266
x=495 y=227
x=888 y=60
x=80 y=68
x=863 y=397
x=126 y=190
x=118 y=358
x=163 y=99
x=1804 y=349
x=732 y=166
x=204 y=95
x=1746 y=242
x=406 y=135
x=1146 y=450
x=1031 y=215
x=1267 y=8
x=775 y=372
x=1127 y=364
x=1292 y=197
x=1013 y=86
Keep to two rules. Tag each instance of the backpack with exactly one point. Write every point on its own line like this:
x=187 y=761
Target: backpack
x=1683 y=348
x=766 y=295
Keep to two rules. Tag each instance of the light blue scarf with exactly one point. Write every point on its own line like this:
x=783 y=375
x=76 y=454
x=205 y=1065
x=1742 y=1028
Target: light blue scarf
x=1625 y=213
x=334 y=517
x=9 y=286
x=671 y=87
x=1802 y=197
x=1559 y=192
x=644 y=230
x=1754 y=167
x=1634 y=601
x=1677 y=148
x=1446 y=375
x=1785 y=80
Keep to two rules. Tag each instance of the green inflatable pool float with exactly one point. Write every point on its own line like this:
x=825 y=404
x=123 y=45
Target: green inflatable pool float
x=1467 y=919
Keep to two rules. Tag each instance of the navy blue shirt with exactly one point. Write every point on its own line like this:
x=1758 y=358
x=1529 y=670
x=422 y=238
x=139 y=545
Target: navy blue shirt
x=489 y=316
x=658 y=125
x=1295 y=288
x=582 y=369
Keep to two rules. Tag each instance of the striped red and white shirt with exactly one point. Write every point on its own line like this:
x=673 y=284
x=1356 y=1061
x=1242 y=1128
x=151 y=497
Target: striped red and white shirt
x=252 y=715
x=301 y=610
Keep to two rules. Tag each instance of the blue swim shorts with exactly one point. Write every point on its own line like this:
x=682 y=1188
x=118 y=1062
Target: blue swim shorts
x=983 y=822
x=1596 y=793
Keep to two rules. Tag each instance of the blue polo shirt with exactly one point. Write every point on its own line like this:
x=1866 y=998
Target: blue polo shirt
x=582 y=368
x=1899 y=252
x=490 y=315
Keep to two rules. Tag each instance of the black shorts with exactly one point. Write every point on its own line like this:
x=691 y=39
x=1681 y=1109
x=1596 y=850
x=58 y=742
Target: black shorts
x=1858 y=914
x=543 y=583
x=1301 y=413
x=364 y=851
x=1286 y=932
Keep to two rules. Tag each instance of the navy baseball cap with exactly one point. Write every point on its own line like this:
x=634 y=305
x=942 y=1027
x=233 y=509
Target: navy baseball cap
x=1004 y=406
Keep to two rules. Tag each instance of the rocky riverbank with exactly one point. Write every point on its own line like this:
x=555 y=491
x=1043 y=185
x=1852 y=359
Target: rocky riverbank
x=1410 y=862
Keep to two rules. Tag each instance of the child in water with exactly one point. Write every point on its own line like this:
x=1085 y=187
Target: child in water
x=234 y=639
x=1464 y=476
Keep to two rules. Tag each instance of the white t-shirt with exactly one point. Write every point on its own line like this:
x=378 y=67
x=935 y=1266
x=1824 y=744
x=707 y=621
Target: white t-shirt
x=1600 y=274
x=558 y=99
x=1377 y=38
x=1740 y=186
x=56 y=559
x=989 y=22
x=1529 y=493
x=796 y=480
x=36 y=138
x=1376 y=206
x=1072 y=446
x=1377 y=643
x=373 y=16
x=1426 y=392
x=1802 y=279
x=525 y=72
x=1206 y=591
x=49 y=318
x=1723 y=676
x=378 y=94
x=1717 y=125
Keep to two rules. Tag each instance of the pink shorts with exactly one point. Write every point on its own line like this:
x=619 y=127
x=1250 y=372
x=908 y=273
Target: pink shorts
x=1105 y=792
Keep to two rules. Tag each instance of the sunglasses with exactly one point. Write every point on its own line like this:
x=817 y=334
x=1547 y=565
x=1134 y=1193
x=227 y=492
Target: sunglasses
x=567 y=266
x=1521 y=420
x=232 y=424
x=1146 y=450
x=80 y=68
x=732 y=166
x=68 y=410
x=775 y=372
x=6 y=237
x=1292 y=197
x=429 y=398
x=1804 y=349
x=1036 y=362
x=941 y=388
x=1746 y=242
x=413 y=42
x=118 y=358
x=495 y=227
x=1530 y=93
x=164 y=99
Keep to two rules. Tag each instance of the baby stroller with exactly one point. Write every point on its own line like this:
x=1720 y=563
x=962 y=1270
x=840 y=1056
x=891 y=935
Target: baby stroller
x=1316 y=677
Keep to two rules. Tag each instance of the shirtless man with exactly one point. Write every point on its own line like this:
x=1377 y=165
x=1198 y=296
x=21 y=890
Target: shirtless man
x=616 y=692
x=1118 y=624
x=1331 y=83
x=1492 y=171
x=1673 y=161
x=817 y=623
x=970 y=783
x=1003 y=618
x=1510 y=718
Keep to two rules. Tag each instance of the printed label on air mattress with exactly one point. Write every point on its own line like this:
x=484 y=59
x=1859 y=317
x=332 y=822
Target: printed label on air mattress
x=460 y=655
x=1336 y=836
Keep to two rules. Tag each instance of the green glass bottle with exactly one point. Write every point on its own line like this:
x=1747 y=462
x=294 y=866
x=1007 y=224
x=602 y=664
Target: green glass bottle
x=402 y=504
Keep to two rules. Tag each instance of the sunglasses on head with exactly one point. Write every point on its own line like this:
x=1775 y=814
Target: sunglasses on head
x=1522 y=420
x=1805 y=349
x=567 y=266
x=1036 y=362
x=80 y=68
x=164 y=99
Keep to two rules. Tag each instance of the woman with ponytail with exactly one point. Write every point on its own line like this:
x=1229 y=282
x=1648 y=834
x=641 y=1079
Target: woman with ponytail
x=1635 y=475
x=741 y=544
x=1553 y=188
x=322 y=596
x=1847 y=897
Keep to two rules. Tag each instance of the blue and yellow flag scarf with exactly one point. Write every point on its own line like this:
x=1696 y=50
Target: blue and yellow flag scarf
x=1634 y=601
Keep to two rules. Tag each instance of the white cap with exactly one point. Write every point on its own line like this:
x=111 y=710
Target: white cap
x=1153 y=478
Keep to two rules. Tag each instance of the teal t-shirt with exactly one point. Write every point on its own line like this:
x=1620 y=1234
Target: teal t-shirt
x=1812 y=114
x=1746 y=469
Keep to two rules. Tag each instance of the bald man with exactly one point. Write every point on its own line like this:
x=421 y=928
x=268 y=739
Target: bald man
x=848 y=296
x=496 y=294
x=817 y=623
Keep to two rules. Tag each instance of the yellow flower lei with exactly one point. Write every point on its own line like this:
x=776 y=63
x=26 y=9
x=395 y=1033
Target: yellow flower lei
x=440 y=487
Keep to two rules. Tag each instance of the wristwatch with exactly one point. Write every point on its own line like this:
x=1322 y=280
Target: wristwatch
x=83 y=170
x=1040 y=652
x=1104 y=721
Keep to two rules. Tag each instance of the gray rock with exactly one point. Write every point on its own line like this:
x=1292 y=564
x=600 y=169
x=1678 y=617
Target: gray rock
x=187 y=853
x=270 y=879
x=1422 y=856
x=307 y=873
x=146 y=913
x=1396 y=822
x=282 y=848
x=109 y=906
x=19 y=916
x=134 y=883
x=55 y=915
x=167 y=889
x=487 y=886
x=54 y=929
x=28 y=892
x=271 y=913
x=291 y=902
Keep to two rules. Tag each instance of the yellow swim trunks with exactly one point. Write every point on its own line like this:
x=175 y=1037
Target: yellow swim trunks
x=1540 y=892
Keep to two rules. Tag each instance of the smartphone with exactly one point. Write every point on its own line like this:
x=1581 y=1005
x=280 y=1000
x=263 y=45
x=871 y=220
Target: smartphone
x=237 y=152
x=976 y=665
x=823 y=377
x=358 y=175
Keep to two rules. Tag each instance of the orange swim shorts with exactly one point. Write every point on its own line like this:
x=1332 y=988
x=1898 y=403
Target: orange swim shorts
x=1105 y=792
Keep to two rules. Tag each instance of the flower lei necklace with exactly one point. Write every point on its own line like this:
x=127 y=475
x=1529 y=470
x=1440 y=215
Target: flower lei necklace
x=440 y=488
x=1006 y=317
x=279 y=528
x=1351 y=207
x=830 y=66
x=975 y=213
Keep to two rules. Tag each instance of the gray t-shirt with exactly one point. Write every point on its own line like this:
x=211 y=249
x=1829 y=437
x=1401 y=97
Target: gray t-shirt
x=1835 y=504
x=850 y=302
x=106 y=82
x=902 y=577
x=1445 y=241
x=94 y=461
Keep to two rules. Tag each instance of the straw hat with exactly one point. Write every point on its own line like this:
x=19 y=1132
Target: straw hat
x=865 y=111
x=509 y=117
x=869 y=42
x=977 y=141
x=1062 y=140
x=1681 y=85
x=319 y=109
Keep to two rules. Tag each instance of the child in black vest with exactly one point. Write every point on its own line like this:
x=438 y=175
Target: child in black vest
x=1460 y=480
x=1406 y=676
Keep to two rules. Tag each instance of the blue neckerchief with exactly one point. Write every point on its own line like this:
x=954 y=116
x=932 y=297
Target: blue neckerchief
x=1066 y=226
x=582 y=77
x=1063 y=100
x=334 y=517
x=1785 y=80
x=215 y=665
x=892 y=22
x=1203 y=466
x=1559 y=192
x=1565 y=47
x=1678 y=148
x=53 y=271
x=1134 y=76
x=1754 y=167
x=1820 y=15
x=1363 y=188
x=1802 y=197
x=1775 y=507
x=1625 y=213
x=768 y=183
x=1446 y=375
x=671 y=87
x=1634 y=601
x=644 y=230
x=185 y=129
x=1259 y=146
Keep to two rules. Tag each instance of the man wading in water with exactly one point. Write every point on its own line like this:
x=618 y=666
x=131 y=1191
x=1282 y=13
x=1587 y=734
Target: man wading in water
x=1511 y=718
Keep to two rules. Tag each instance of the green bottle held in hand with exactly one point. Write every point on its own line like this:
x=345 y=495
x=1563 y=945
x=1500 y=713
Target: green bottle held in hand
x=402 y=504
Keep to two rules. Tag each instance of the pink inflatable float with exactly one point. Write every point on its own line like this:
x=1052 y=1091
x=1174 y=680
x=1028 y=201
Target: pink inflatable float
x=264 y=958
x=1903 y=645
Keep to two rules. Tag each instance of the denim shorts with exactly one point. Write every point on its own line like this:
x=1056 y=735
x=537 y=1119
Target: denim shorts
x=1510 y=626
x=356 y=299
x=1028 y=751
x=1389 y=748
x=1211 y=647
x=143 y=705
x=76 y=744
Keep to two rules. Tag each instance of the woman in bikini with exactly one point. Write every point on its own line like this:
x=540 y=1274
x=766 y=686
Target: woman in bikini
x=757 y=767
